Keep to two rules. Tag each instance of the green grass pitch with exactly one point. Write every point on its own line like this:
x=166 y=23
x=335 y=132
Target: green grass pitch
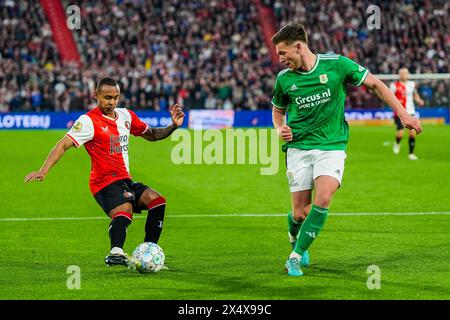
x=212 y=249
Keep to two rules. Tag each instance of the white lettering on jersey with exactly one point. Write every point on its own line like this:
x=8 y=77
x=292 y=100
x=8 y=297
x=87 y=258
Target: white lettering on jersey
x=123 y=126
x=410 y=87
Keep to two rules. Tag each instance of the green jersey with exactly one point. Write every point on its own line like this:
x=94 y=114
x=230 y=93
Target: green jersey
x=314 y=102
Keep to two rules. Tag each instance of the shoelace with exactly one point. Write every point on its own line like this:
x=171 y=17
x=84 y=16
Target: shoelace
x=293 y=263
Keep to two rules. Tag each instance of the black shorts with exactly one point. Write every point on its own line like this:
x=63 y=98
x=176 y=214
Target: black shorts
x=120 y=192
x=398 y=123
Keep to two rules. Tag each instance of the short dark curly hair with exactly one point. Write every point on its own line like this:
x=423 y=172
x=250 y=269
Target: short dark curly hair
x=106 y=82
x=290 y=33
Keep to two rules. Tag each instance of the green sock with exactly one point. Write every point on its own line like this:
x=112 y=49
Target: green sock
x=293 y=225
x=310 y=229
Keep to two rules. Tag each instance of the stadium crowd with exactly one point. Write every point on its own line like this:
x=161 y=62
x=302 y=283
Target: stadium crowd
x=412 y=33
x=202 y=54
x=206 y=54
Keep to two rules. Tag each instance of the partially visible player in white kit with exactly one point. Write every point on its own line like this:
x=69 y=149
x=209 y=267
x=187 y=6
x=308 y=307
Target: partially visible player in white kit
x=105 y=132
x=406 y=92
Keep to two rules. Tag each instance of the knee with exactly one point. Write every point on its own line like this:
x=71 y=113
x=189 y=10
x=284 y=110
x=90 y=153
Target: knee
x=156 y=202
x=125 y=209
x=127 y=215
x=323 y=200
x=162 y=198
x=300 y=214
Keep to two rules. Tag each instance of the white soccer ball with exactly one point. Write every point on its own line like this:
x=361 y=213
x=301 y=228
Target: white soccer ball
x=148 y=257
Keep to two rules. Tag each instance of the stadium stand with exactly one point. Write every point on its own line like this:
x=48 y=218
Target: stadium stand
x=414 y=34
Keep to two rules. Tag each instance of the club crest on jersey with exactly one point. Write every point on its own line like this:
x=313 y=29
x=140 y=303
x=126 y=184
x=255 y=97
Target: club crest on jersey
x=127 y=125
x=77 y=126
x=323 y=78
x=291 y=179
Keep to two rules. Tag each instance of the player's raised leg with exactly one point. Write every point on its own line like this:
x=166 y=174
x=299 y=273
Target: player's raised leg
x=301 y=206
x=300 y=177
x=412 y=144
x=325 y=187
x=398 y=135
x=156 y=205
x=121 y=217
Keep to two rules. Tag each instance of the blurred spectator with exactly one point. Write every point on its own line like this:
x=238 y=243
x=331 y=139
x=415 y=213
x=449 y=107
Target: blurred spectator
x=441 y=96
x=211 y=101
x=426 y=92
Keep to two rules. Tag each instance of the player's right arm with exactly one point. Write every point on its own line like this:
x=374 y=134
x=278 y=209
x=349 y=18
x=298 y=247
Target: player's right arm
x=279 y=122
x=53 y=157
x=81 y=132
x=280 y=102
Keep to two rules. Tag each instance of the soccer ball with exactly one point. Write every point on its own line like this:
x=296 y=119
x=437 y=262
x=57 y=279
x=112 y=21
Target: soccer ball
x=148 y=257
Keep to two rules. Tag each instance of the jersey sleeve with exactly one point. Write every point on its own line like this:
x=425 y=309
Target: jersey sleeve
x=138 y=127
x=82 y=131
x=279 y=99
x=393 y=87
x=353 y=73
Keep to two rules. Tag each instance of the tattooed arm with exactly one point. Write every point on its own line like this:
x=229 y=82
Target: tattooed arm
x=153 y=134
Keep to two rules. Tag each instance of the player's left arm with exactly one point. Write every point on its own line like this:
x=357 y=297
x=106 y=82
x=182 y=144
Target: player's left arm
x=417 y=98
x=154 y=134
x=383 y=92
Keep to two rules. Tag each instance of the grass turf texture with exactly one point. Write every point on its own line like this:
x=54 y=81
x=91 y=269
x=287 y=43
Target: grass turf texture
x=230 y=257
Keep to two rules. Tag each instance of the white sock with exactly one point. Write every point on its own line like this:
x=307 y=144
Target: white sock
x=295 y=255
x=291 y=238
x=116 y=250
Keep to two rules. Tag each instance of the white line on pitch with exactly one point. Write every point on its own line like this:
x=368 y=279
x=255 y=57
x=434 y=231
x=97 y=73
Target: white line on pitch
x=234 y=215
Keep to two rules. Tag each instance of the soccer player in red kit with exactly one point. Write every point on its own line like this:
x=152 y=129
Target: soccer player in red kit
x=104 y=132
x=405 y=91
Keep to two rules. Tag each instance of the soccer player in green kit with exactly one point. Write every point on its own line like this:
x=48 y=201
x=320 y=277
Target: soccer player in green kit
x=312 y=91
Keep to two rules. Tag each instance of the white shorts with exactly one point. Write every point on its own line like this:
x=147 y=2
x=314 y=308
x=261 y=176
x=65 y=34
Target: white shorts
x=304 y=166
